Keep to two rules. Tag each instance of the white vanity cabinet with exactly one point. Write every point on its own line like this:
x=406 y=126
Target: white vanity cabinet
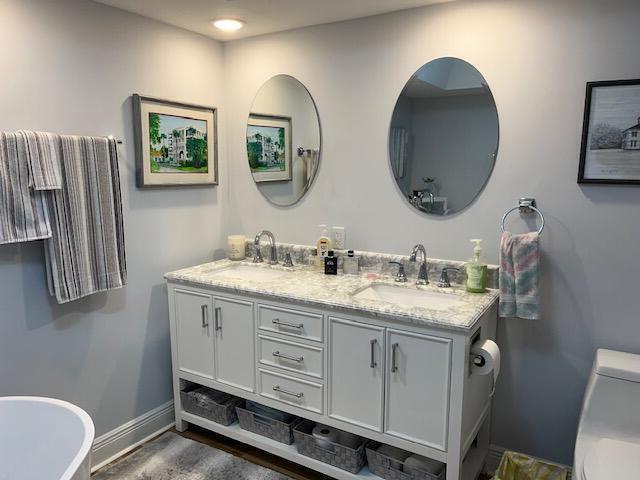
x=234 y=363
x=406 y=384
x=417 y=387
x=192 y=333
x=356 y=373
x=212 y=338
x=390 y=381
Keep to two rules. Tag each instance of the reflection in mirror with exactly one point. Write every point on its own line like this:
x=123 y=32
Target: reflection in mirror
x=443 y=138
x=283 y=140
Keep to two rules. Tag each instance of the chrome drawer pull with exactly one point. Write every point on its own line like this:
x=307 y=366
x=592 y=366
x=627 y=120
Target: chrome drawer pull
x=394 y=357
x=373 y=363
x=205 y=315
x=277 y=321
x=286 y=392
x=217 y=323
x=288 y=357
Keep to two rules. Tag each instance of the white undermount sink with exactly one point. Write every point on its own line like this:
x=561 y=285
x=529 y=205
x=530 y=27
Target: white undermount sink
x=408 y=296
x=247 y=272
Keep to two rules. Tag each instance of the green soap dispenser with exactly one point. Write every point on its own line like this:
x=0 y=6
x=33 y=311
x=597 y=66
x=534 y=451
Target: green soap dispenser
x=476 y=270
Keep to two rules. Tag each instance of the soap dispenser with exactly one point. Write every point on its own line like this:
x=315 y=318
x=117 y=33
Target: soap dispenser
x=476 y=270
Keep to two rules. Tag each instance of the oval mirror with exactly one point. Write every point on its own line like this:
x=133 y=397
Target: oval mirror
x=283 y=140
x=443 y=138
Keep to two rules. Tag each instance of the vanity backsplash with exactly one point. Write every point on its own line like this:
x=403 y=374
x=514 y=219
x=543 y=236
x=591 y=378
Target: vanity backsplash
x=379 y=263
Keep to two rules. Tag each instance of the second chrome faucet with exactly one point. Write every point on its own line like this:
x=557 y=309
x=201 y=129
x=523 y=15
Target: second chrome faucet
x=423 y=277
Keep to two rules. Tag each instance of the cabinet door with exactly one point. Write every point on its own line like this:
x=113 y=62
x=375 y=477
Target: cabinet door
x=234 y=340
x=356 y=373
x=418 y=387
x=194 y=332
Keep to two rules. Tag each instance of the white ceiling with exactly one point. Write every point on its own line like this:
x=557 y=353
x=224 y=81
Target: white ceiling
x=261 y=16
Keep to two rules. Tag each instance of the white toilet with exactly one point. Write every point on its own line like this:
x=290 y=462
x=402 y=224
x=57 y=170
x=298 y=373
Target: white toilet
x=608 y=441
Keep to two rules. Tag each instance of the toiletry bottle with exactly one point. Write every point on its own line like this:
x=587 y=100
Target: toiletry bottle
x=351 y=264
x=330 y=264
x=313 y=258
x=476 y=270
x=323 y=244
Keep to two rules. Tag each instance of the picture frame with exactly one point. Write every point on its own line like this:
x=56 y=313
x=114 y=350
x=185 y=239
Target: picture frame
x=176 y=143
x=269 y=151
x=610 y=149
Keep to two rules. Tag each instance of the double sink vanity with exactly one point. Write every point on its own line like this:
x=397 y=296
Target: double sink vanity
x=383 y=359
x=384 y=354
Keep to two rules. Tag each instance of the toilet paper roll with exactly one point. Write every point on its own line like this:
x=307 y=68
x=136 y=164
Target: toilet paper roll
x=325 y=436
x=490 y=354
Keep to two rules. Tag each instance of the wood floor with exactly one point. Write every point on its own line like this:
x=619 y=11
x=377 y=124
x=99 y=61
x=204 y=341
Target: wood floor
x=257 y=456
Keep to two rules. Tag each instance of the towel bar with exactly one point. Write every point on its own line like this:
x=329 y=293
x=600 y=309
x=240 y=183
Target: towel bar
x=525 y=205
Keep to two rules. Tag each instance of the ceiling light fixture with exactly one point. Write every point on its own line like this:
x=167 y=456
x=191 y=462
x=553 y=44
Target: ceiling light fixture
x=228 y=24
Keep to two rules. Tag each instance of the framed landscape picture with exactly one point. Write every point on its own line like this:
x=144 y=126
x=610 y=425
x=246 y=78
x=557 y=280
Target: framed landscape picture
x=610 y=150
x=269 y=148
x=176 y=143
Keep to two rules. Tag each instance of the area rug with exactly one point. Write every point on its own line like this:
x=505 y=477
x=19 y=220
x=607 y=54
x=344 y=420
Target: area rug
x=172 y=457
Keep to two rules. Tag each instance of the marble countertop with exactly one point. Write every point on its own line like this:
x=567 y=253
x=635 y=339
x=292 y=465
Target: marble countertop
x=309 y=286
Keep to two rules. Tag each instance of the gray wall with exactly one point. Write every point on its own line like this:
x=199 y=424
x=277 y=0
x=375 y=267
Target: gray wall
x=70 y=67
x=536 y=56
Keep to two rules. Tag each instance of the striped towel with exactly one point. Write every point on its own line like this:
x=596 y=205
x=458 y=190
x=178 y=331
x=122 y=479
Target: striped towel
x=86 y=252
x=519 y=267
x=23 y=210
x=44 y=159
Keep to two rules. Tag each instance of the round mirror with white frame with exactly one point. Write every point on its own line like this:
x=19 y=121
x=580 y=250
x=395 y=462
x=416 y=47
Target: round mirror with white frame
x=443 y=137
x=283 y=140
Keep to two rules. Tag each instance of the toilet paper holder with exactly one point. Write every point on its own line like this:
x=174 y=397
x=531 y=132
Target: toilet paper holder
x=480 y=361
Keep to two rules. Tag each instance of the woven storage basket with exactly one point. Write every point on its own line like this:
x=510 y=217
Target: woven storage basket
x=210 y=404
x=265 y=426
x=381 y=465
x=341 y=456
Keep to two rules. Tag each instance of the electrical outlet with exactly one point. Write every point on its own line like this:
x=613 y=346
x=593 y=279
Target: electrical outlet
x=339 y=238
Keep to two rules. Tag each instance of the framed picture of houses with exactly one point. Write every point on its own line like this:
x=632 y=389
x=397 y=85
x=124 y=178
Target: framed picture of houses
x=610 y=150
x=269 y=147
x=176 y=143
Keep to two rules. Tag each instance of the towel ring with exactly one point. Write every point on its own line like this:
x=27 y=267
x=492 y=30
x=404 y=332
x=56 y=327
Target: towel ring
x=525 y=205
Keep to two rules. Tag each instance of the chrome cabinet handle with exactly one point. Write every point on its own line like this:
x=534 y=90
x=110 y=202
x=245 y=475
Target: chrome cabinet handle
x=277 y=321
x=217 y=322
x=373 y=363
x=288 y=357
x=205 y=315
x=394 y=357
x=277 y=388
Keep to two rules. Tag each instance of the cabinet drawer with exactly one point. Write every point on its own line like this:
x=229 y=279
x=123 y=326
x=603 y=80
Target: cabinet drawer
x=291 y=356
x=301 y=393
x=286 y=321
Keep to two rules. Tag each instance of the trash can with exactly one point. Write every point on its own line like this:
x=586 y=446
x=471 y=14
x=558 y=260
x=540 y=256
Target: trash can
x=515 y=466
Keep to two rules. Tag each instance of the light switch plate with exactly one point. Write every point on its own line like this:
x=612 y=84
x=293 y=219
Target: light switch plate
x=339 y=238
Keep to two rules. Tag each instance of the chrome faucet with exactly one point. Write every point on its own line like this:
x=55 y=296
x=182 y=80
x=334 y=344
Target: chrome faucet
x=288 y=262
x=423 y=277
x=273 y=252
x=401 y=276
x=444 y=277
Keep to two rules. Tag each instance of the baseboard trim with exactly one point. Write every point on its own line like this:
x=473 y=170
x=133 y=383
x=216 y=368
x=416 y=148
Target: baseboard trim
x=126 y=437
x=495 y=455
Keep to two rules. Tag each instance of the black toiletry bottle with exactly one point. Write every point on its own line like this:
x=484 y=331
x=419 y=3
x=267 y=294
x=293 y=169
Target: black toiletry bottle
x=330 y=264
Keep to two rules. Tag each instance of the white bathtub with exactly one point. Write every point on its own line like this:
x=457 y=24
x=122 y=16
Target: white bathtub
x=44 y=439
